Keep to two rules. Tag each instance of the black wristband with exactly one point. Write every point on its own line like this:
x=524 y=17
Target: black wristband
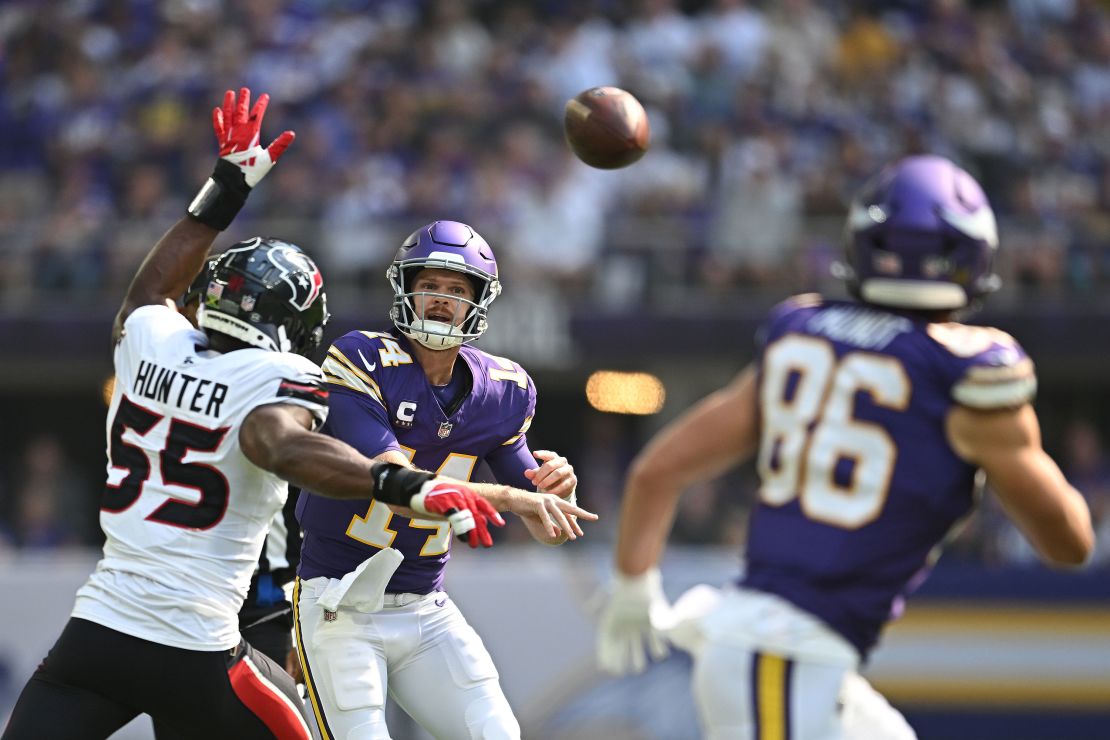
x=397 y=484
x=221 y=197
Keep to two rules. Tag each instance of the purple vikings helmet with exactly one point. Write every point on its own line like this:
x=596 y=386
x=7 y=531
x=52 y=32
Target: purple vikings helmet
x=921 y=235
x=445 y=245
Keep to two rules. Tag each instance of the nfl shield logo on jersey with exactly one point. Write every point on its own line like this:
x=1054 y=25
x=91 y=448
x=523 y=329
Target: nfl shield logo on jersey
x=445 y=429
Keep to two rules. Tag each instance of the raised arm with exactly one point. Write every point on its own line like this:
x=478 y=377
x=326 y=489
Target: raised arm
x=179 y=255
x=1006 y=444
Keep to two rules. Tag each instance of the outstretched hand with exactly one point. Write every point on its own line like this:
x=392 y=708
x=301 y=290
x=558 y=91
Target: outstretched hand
x=242 y=163
x=238 y=133
x=549 y=518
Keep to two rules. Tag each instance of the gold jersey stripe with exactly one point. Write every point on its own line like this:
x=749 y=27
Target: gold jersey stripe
x=338 y=374
x=336 y=369
x=995 y=395
x=523 y=430
x=353 y=369
x=963 y=340
x=336 y=380
x=980 y=374
x=806 y=300
x=334 y=351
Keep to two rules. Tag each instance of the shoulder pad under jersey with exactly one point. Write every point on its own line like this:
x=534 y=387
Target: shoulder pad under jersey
x=992 y=369
x=507 y=380
x=771 y=325
x=357 y=359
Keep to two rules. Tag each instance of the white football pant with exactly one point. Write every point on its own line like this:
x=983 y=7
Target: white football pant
x=766 y=670
x=422 y=652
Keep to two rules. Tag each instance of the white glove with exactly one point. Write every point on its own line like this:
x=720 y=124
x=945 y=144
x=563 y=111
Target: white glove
x=631 y=623
x=685 y=629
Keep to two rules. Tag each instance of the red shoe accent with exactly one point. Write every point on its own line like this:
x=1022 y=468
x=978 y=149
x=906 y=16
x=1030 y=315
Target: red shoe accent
x=268 y=702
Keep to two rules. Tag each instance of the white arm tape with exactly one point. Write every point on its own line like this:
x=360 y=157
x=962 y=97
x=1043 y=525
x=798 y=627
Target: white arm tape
x=416 y=503
x=461 y=520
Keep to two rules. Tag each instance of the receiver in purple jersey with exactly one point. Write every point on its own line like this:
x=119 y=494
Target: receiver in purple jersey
x=858 y=481
x=381 y=400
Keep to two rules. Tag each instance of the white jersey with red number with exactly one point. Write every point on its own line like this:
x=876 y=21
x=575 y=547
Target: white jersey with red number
x=184 y=511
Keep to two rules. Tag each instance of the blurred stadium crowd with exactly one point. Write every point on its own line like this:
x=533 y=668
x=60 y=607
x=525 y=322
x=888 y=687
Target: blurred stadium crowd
x=765 y=116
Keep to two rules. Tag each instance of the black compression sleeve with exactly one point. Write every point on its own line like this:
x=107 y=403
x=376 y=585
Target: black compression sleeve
x=397 y=484
x=222 y=196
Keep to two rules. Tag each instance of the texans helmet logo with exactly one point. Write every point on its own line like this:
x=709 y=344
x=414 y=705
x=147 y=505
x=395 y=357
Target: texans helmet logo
x=294 y=268
x=300 y=273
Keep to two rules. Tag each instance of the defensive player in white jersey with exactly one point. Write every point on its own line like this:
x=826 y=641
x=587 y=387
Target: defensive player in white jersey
x=203 y=427
x=266 y=617
x=871 y=420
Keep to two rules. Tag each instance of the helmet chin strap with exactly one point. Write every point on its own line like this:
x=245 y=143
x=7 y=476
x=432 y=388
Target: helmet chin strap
x=440 y=337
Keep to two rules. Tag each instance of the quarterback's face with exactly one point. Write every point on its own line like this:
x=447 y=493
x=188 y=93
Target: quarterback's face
x=440 y=307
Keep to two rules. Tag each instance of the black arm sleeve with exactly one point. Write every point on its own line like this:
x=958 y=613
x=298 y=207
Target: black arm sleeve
x=397 y=484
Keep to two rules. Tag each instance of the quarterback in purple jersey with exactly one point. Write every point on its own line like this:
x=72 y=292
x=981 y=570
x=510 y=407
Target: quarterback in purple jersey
x=870 y=421
x=420 y=395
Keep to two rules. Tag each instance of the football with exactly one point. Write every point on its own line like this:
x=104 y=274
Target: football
x=606 y=127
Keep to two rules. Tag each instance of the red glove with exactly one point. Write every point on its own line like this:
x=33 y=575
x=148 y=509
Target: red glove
x=468 y=513
x=238 y=134
x=242 y=163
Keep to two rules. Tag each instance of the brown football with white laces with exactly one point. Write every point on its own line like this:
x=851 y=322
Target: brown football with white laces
x=606 y=127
